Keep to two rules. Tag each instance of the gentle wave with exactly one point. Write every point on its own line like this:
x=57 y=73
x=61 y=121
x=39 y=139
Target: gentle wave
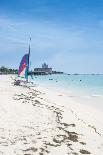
x=92 y=84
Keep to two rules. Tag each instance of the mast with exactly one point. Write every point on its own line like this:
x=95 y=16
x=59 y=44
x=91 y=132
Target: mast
x=29 y=58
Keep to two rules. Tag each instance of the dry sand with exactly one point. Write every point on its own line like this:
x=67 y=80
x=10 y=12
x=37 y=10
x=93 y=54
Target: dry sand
x=39 y=121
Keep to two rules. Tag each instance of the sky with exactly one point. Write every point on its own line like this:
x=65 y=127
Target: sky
x=66 y=34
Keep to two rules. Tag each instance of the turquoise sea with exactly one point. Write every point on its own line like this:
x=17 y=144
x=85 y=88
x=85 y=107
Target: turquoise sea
x=89 y=83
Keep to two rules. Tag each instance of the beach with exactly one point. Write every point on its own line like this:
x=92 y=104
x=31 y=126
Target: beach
x=42 y=120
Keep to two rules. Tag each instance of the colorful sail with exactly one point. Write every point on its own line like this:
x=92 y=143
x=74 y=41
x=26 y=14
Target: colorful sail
x=24 y=67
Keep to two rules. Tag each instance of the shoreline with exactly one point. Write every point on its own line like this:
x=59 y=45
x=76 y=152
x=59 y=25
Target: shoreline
x=94 y=100
x=81 y=103
x=44 y=121
x=88 y=84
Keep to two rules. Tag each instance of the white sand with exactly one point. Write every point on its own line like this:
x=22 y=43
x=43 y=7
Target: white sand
x=40 y=121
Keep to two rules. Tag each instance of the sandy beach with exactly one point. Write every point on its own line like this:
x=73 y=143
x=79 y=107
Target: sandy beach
x=42 y=120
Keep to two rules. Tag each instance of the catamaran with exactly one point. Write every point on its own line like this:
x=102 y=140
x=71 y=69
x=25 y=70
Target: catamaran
x=23 y=70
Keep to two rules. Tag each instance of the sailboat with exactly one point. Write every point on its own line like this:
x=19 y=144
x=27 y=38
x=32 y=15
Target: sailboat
x=23 y=70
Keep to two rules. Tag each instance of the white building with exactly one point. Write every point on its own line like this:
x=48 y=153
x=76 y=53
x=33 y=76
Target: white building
x=44 y=69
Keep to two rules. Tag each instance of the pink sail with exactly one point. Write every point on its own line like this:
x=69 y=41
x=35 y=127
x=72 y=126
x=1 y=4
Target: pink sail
x=24 y=67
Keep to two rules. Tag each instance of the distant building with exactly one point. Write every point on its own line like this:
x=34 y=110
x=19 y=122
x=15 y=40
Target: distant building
x=44 y=70
x=44 y=65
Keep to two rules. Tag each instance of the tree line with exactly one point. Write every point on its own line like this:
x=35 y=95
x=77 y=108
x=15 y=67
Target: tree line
x=5 y=70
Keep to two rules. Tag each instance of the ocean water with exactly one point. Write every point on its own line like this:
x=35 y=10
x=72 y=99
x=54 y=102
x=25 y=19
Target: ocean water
x=88 y=83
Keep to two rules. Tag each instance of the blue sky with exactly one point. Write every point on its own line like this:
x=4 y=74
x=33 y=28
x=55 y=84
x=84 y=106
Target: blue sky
x=67 y=34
